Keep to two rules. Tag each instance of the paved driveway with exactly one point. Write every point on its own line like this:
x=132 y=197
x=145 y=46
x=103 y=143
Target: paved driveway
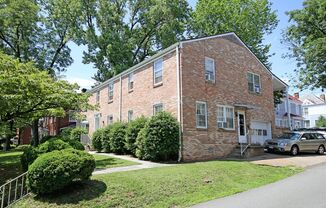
x=307 y=189
x=277 y=159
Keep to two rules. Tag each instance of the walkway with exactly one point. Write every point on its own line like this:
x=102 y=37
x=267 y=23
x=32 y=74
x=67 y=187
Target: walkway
x=143 y=164
x=306 y=189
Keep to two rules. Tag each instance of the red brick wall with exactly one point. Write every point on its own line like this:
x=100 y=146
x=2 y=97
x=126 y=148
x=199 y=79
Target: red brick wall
x=232 y=62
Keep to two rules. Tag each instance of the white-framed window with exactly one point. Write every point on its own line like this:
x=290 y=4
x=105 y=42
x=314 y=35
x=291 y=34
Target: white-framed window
x=254 y=84
x=209 y=69
x=97 y=120
x=110 y=91
x=225 y=117
x=97 y=96
x=157 y=108
x=131 y=81
x=305 y=111
x=307 y=123
x=109 y=119
x=201 y=114
x=130 y=115
x=158 y=71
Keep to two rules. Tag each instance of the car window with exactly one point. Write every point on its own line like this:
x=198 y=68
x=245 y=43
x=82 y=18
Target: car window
x=308 y=136
x=319 y=136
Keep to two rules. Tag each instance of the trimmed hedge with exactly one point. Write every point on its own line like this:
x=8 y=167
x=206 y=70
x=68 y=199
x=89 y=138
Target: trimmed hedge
x=117 y=137
x=55 y=170
x=97 y=139
x=159 y=139
x=106 y=138
x=132 y=131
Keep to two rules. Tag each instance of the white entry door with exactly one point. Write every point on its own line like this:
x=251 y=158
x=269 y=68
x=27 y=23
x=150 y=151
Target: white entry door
x=242 y=127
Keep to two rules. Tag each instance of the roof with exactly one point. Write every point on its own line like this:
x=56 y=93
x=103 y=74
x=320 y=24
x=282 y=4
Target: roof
x=312 y=98
x=291 y=97
x=173 y=48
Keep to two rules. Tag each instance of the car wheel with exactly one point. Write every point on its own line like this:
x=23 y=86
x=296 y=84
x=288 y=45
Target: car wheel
x=294 y=150
x=321 y=150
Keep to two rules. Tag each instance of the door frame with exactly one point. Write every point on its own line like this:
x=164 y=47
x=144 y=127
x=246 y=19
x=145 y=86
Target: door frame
x=242 y=139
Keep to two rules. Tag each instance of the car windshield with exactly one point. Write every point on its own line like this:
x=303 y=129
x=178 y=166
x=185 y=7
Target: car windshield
x=292 y=136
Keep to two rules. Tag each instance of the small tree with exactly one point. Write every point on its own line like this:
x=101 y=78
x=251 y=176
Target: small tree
x=321 y=122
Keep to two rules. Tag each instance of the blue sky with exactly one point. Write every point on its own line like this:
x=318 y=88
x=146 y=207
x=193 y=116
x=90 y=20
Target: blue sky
x=283 y=68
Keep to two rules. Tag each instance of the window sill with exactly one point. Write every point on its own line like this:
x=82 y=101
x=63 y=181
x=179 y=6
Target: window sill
x=110 y=101
x=201 y=128
x=254 y=93
x=224 y=129
x=212 y=82
x=158 y=84
x=130 y=91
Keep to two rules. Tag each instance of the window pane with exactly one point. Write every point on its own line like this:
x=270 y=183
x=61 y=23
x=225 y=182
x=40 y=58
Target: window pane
x=209 y=69
x=250 y=80
x=201 y=115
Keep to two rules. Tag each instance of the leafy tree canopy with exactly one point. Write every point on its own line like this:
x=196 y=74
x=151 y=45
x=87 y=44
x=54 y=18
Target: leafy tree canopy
x=122 y=33
x=321 y=122
x=307 y=41
x=249 y=19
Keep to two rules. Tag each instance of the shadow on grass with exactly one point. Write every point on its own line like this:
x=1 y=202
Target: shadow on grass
x=101 y=163
x=74 y=193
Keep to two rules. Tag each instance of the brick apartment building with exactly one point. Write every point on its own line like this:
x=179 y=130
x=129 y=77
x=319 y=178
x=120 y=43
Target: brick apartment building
x=219 y=91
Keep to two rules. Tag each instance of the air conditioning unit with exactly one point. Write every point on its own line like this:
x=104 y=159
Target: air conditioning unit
x=257 y=89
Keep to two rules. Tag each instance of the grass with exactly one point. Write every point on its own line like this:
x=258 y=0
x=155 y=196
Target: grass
x=104 y=161
x=175 y=186
x=10 y=165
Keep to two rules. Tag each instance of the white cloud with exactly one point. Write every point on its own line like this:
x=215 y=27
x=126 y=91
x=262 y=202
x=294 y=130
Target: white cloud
x=83 y=83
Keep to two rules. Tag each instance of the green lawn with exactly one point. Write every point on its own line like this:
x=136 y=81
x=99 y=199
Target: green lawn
x=174 y=186
x=103 y=161
x=9 y=165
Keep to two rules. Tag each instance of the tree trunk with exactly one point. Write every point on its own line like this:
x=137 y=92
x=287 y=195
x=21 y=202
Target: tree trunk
x=6 y=146
x=35 y=134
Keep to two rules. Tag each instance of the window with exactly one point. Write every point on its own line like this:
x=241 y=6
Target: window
x=157 y=108
x=225 y=117
x=110 y=91
x=307 y=123
x=97 y=96
x=201 y=114
x=110 y=119
x=97 y=118
x=130 y=115
x=158 y=71
x=209 y=69
x=305 y=112
x=131 y=81
x=253 y=82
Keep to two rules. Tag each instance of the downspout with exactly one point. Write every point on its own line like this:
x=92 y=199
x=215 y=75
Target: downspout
x=120 y=100
x=179 y=91
x=288 y=107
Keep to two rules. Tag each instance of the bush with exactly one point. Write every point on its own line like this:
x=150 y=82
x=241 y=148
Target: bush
x=106 y=138
x=47 y=138
x=76 y=133
x=97 y=139
x=30 y=154
x=117 y=137
x=66 y=132
x=55 y=170
x=132 y=132
x=73 y=143
x=22 y=147
x=159 y=139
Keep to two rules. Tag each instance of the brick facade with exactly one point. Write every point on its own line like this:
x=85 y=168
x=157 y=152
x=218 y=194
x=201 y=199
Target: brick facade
x=184 y=85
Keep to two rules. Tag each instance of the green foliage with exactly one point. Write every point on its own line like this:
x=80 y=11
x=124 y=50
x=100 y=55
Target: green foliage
x=250 y=20
x=117 y=137
x=120 y=34
x=132 y=132
x=321 y=122
x=97 y=139
x=66 y=132
x=55 y=170
x=159 y=139
x=106 y=138
x=77 y=132
x=278 y=95
x=307 y=39
x=22 y=147
x=30 y=154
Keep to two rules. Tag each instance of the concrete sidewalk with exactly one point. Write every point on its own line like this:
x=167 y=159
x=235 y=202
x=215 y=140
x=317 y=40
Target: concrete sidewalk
x=307 y=189
x=142 y=164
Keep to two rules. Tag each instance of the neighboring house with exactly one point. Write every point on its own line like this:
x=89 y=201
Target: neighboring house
x=48 y=126
x=313 y=108
x=219 y=91
x=288 y=114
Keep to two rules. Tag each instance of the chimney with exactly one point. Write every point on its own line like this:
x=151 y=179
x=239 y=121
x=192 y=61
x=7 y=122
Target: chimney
x=296 y=95
x=322 y=96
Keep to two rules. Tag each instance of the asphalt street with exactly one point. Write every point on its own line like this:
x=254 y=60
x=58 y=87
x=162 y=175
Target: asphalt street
x=305 y=190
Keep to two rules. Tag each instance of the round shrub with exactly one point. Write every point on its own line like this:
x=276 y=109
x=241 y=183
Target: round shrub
x=55 y=170
x=32 y=153
x=97 y=139
x=73 y=143
x=47 y=138
x=106 y=138
x=132 y=132
x=159 y=139
x=77 y=132
x=29 y=155
x=117 y=137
